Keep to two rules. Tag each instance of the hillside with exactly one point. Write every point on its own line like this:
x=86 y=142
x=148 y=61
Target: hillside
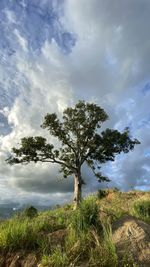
x=110 y=229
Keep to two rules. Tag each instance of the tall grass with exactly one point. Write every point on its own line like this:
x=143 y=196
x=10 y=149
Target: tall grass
x=142 y=209
x=86 y=216
x=16 y=235
x=25 y=233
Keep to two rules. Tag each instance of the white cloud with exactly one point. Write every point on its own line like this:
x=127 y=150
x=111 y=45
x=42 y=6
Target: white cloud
x=108 y=63
x=21 y=40
x=10 y=16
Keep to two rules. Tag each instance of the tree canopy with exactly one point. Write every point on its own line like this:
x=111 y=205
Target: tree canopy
x=80 y=142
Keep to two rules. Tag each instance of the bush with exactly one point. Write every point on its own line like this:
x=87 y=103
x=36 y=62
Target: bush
x=102 y=193
x=142 y=209
x=116 y=189
x=30 y=212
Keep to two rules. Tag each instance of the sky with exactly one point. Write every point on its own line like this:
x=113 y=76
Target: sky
x=55 y=52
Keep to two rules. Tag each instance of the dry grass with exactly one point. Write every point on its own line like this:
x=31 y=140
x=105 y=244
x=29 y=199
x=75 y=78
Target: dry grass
x=118 y=203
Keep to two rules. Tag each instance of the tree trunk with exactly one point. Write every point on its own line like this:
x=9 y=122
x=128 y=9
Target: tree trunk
x=77 y=190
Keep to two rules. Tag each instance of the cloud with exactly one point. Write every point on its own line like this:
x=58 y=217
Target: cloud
x=54 y=54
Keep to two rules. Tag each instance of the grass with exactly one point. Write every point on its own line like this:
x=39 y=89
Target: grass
x=16 y=235
x=57 y=258
x=142 y=210
x=117 y=203
x=87 y=231
x=86 y=216
x=25 y=233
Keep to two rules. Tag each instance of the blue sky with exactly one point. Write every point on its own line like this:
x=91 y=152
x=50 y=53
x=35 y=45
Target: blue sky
x=53 y=53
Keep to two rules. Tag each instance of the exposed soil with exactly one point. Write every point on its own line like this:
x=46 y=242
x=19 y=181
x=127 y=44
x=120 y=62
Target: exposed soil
x=132 y=240
x=18 y=260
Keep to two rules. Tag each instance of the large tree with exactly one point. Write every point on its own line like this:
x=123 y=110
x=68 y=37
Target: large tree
x=80 y=142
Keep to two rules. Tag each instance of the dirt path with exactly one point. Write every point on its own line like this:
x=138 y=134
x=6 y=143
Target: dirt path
x=132 y=240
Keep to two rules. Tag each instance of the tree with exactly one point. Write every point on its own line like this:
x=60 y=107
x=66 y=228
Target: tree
x=80 y=142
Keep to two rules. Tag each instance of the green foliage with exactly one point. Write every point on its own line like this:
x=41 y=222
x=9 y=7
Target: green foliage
x=80 y=141
x=142 y=209
x=102 y=193
x=30 y=212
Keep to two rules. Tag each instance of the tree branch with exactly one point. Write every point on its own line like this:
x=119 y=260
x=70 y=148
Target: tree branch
x=58 y=162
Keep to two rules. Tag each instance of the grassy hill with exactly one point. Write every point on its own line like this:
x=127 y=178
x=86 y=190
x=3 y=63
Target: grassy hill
x=63 y=237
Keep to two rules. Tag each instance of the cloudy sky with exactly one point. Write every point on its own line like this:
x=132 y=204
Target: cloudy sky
x=55 y=52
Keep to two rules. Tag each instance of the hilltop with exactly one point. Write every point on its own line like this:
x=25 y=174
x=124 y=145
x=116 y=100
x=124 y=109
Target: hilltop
x=110 y=229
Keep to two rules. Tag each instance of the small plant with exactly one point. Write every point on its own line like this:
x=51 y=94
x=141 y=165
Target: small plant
x=30 y=212
x=142 y=209
x=102 y=193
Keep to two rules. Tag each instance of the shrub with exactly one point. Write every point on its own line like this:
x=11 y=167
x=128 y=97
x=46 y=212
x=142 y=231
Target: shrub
x=102 y=193
x=116 y=189
x=142 y=209
x=30 y=212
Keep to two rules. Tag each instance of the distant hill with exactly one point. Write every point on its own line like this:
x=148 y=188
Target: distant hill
x=7 y=210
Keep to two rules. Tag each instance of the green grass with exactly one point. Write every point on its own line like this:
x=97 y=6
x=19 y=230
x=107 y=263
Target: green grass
x=25 y=233
x=86 y=216
x=142 y=210
x=15 y=235
x=88 y=234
